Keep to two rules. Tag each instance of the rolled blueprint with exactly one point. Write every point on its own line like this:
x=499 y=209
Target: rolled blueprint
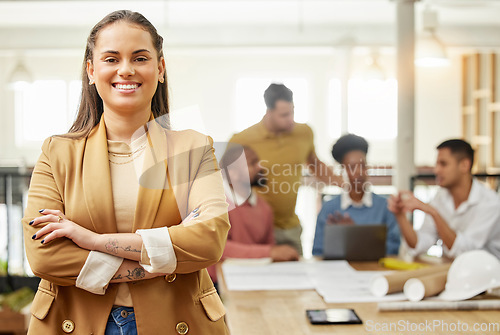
x=415 y=289
x=487 y=304
x=394 y=281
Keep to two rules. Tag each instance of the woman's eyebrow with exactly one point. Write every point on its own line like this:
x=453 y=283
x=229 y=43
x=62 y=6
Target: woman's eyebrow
x=117 y=53
x=140 y=50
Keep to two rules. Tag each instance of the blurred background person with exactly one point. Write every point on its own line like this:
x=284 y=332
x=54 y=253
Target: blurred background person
x=356 y=204
x=252 y=232
x=464 y=214
x=284 y=146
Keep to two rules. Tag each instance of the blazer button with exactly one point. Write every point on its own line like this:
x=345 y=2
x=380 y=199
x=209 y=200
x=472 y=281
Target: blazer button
x=171 y=277
x=68 y=326
x=182 y=328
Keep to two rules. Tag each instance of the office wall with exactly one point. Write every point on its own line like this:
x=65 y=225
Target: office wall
x=207 y=78
x=42 y=65
x=438 y=107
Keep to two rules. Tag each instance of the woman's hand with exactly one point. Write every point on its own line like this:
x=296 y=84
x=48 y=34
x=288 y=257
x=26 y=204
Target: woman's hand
x=59 y=226
x=339 y=218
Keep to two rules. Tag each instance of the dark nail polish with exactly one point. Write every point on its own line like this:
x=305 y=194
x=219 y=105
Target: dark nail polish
x=31 y=222
x=41 y=210
x=42 y=241
x=33 y=237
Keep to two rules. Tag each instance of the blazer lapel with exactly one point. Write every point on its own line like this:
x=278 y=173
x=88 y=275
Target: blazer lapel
x=153 y=177
x=97 y=189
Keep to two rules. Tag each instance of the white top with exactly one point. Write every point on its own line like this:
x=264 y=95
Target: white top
x=476 y=222
x=100 y=267
x=346 y=201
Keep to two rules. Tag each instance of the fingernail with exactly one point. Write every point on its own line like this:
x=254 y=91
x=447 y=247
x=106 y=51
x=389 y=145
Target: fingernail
x=41 y=210
x=195 y=210
x=33 y=237
x=42 y=241
x=196 y=215
x=31 y=222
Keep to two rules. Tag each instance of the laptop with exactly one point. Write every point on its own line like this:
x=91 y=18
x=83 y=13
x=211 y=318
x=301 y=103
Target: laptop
x=354 y=242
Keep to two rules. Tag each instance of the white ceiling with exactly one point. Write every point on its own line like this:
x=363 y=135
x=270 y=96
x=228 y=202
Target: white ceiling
x=59 y=24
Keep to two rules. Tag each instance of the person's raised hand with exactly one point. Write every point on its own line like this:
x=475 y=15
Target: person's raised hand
x=339 y=218
x=410 y=203
x=395 y=205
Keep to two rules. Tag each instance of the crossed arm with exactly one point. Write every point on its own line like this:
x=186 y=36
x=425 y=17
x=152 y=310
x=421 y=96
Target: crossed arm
x=124 y=245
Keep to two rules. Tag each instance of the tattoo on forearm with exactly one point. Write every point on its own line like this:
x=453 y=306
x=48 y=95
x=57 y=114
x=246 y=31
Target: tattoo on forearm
x=135 y=274
x=112 y=246
x=129 y=248
x=117 y=277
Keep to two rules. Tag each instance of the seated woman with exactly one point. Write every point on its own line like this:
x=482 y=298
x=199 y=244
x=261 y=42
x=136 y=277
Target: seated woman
x=356 y=204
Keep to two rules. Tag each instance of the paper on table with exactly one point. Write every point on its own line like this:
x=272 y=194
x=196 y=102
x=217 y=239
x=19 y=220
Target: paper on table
x=335 y=281
x=249 y=261
x=248 y=275
x=493 y=304
x=350 y=287
x=275 y=276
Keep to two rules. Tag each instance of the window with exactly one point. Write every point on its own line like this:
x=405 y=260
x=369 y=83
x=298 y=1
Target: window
x=250 y=106
x=334 y=124
x=44 y=108
x=372 y=108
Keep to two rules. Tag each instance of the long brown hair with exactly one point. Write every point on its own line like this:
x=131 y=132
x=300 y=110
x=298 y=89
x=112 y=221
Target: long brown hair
x=91 y=106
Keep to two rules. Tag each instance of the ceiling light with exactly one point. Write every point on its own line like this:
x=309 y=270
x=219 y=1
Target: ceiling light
x=374 y=71
x=20 y=75
x=430 y=51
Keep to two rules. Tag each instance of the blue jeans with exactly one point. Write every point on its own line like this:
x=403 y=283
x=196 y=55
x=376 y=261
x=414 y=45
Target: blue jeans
x=121 y=321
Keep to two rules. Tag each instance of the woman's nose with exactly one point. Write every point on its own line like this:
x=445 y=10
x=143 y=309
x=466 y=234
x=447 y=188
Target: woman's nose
x=126 y=69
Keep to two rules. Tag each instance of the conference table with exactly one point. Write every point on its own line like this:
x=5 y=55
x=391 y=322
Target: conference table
x=283 y=312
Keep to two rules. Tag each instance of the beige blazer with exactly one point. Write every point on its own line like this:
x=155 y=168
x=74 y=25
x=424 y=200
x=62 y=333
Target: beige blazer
x=180 y=174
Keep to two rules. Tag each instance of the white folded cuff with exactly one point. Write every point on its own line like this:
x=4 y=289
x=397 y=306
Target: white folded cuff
x=98 y=270
x=160 y=251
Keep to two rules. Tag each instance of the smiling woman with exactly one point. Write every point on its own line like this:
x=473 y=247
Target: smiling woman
x=117 y=48
x=126 y=68
x=115 y=240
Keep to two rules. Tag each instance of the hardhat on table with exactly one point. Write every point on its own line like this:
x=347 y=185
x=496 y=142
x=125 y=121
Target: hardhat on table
x=470 y=274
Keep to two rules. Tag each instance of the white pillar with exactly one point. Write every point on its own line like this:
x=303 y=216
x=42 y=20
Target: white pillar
x=405 y=44
x=344 y=83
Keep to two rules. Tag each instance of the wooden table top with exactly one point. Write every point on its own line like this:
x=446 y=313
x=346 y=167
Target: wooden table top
x=284 y=313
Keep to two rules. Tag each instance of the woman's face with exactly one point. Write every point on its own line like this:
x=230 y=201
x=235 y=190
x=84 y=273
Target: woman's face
x=125 y=68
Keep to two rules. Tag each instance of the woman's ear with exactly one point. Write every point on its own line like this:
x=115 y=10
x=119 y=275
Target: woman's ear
x=90 y=71
x=161 y=70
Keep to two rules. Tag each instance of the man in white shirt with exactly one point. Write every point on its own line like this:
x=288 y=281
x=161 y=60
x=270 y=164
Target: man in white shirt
x=464 y=214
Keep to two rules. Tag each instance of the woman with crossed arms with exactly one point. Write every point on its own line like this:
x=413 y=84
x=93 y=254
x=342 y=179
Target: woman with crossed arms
x=123 y=214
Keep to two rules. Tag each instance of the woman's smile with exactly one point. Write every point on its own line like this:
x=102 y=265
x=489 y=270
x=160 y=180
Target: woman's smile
x=126 y=87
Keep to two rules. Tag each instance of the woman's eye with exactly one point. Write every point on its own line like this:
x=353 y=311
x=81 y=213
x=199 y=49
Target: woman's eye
x=141 y=59
x=110 y=60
